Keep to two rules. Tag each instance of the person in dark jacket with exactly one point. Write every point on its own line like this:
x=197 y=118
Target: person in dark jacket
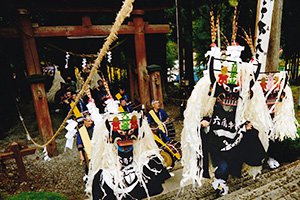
x=158 y=117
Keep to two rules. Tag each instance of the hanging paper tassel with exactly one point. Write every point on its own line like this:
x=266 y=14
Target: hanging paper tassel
x=71 y=128
x=21 y=118
x=45 y=153
x=67 y=60
x=28 y=137
x=83 y=62
x=109 y=56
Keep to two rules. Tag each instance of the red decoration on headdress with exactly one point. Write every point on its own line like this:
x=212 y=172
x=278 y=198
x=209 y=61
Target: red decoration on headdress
x=234 y=43
x=222 y=79
x=133 y=122
x=213 y=44
x=115 y=124
x=223 y=76
x=277 y=82
x=263 y=84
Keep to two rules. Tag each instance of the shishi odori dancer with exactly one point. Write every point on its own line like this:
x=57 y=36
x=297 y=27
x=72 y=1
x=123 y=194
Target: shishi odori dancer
x=226 y=117
x=279 y=100
x=125 y=160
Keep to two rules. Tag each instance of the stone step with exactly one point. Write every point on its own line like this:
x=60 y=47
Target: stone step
x=272 y=190
x=294 y=195
x=278 y=181
x=285 y=190
x=277 y=175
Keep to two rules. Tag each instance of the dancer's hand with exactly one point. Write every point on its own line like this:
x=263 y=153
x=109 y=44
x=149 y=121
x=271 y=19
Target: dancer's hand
x=249 y=126
x=81 y=155
x=167 y=120
x=204 y=123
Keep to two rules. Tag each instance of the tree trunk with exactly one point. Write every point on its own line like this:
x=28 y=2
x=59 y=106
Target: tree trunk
x=256 y=21
x=188 y=43
x=274 y=42
x=297 y=67
x=293 y=67
x=179 y=38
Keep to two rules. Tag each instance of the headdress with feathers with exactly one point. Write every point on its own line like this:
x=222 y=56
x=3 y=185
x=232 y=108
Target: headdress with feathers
x=250 y=108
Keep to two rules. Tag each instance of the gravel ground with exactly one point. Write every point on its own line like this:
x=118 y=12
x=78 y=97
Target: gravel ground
x=62 y=174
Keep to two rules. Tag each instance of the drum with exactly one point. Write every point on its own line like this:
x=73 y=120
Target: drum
x=175 y=146
x=170 y=130
x=171 y=153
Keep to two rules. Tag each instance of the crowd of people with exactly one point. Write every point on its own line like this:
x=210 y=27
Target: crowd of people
x=99 y=94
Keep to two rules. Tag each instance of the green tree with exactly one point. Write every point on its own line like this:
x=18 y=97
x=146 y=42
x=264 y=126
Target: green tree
x=171 y=53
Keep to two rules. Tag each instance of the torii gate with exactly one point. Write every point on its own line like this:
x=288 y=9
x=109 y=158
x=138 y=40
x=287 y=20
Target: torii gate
x=138 y=27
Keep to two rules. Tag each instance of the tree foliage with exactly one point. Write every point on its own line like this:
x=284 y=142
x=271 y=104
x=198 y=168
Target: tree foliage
x=246 y=20
x=171 y=53
x=201 y=22
x=290 y=30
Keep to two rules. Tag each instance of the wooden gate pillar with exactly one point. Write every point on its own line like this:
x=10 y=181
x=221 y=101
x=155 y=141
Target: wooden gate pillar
x=140 y=54
x=36 y=80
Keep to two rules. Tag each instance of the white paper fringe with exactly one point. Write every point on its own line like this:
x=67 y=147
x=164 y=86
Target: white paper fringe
x=45 y=154
x=199 y=105
x=285 y=123
x=255 y=109
x=104 y=156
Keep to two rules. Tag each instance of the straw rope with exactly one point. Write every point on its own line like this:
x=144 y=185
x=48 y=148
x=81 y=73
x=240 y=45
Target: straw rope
x=82 y=55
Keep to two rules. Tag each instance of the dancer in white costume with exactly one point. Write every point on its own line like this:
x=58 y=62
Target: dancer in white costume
x=231 y=123
x=280 y=102
x=125 y=160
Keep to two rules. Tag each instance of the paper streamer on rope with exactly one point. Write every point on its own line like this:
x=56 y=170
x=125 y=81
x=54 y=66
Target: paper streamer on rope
x=71 y=128
x=263 y=31
x=67 y=60
x=109 y=56
x=45 y=153
x=83 y=63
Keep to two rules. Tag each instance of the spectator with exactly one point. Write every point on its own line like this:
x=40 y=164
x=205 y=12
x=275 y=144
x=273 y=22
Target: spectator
x=80 y=105
x=158 y=116
x=99 y=95
x=122 y=94
x=70 y=84
x=124 y=107
x=88 y=124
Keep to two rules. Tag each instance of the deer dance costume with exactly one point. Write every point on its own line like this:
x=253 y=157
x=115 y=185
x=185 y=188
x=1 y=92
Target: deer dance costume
x=125 y=162
x=230 y=102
